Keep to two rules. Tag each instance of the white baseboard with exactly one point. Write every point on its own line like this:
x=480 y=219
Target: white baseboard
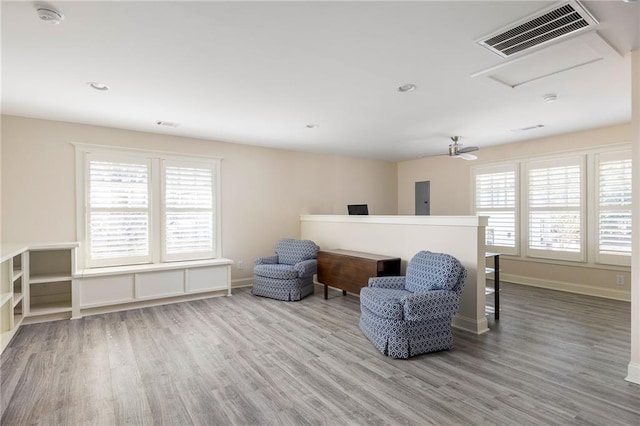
x=606 y=293
x=243 y=282
x=633 y=375
x=472 y=325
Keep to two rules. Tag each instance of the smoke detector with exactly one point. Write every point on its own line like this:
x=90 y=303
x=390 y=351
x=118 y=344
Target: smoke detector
x=50 y=15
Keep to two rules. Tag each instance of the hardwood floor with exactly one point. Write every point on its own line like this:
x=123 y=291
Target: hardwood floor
x=553 y=358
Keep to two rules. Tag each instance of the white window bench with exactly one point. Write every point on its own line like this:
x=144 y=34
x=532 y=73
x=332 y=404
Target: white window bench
x=117 y=288
x=40 y=282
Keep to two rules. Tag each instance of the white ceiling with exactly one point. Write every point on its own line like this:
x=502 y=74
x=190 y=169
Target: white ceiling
x=258 y=72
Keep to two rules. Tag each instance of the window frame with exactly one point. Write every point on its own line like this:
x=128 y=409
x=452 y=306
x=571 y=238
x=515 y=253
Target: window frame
x=581 y=255
x=213 y=168
x=156 y=202
x=598 y=257
x=590 y=204
x=87 y=211
x=494 y=169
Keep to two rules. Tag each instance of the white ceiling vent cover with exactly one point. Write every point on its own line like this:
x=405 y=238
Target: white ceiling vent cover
x=541 y=29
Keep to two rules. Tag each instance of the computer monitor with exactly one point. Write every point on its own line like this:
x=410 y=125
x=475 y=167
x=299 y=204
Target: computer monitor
x=358 y=209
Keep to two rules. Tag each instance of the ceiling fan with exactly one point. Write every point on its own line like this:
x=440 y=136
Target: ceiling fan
x=457 y=151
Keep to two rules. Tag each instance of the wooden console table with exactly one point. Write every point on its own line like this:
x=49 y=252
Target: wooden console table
x=351 y=270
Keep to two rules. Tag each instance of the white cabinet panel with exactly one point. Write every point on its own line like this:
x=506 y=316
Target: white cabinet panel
x=207 y=279
x=125 y=287
x=106 y=290
x=151 y=285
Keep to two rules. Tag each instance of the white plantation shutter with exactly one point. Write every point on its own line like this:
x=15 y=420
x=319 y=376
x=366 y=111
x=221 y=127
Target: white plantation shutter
x=139 y=206
x=555 y=209
x=496 y=197
x=118 y=223
x=614 y=208
x=189 y=214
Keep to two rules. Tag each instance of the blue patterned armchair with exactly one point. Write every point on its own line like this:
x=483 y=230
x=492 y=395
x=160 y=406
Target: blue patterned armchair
x=411 y=315
x=287 y=275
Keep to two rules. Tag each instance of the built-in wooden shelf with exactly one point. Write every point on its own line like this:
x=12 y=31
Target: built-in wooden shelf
x=50 y=308
x=17 y=298
x=49 y=278
x=5 y=297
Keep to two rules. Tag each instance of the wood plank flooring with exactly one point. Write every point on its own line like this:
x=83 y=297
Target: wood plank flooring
x=553 y=358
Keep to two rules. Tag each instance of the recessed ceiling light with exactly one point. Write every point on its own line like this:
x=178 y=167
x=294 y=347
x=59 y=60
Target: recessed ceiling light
x=524 y=129
x=550 y=97
x=407 y=88
x=98 y=86
x=312 y=126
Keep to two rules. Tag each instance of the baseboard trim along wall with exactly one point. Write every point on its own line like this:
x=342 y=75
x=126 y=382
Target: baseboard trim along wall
x=606 y=293
x=470 y=324
x=242 y=282
x=633 y=375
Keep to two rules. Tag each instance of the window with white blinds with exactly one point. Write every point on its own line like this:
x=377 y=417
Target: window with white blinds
x=142 y=207
x=613 y=186
x=555 y=208
x=118 y=219
x=188 y=211
x=496 y=197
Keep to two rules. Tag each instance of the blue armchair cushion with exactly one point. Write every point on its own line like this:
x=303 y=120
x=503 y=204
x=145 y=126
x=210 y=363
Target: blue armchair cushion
x=434 y=304
x=396 y=282
x=433 y=271
x=403 y=305
x=385 y=302
x=292 y=251
x=278 y=271
x=306 y=268
x=267 y=260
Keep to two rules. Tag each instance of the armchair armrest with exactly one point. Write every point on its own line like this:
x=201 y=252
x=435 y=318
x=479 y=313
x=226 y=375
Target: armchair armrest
x=306 y=268
x=265 y=260
x=396 y=282
x=431 y=304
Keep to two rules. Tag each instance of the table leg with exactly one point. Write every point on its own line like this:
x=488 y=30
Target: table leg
x=344 y=292
x=326 y=292
x=496 y=286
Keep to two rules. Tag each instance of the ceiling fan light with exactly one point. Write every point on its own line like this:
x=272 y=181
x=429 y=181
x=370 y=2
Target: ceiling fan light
x=466 y=156
x=457 y=151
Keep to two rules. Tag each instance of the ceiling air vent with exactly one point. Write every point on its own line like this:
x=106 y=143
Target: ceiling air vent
x=543 y=28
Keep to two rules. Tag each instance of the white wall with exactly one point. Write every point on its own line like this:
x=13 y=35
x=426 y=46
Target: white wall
x=451 y=195
x=404 y=236
x=1 y=183
x=264 y=191
x=634 y=361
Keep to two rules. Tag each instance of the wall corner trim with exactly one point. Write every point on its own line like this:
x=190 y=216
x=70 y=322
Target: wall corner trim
x=633 y=375
x=470 y=324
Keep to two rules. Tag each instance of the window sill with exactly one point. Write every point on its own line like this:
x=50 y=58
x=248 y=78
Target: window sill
x=150 y=267
x=574 y=264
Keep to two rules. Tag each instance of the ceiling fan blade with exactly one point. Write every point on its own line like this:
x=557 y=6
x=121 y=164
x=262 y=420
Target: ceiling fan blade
x=465 y=156
x=468 y=149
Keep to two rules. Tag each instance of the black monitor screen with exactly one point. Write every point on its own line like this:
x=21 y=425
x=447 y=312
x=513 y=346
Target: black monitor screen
x=355 y=209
